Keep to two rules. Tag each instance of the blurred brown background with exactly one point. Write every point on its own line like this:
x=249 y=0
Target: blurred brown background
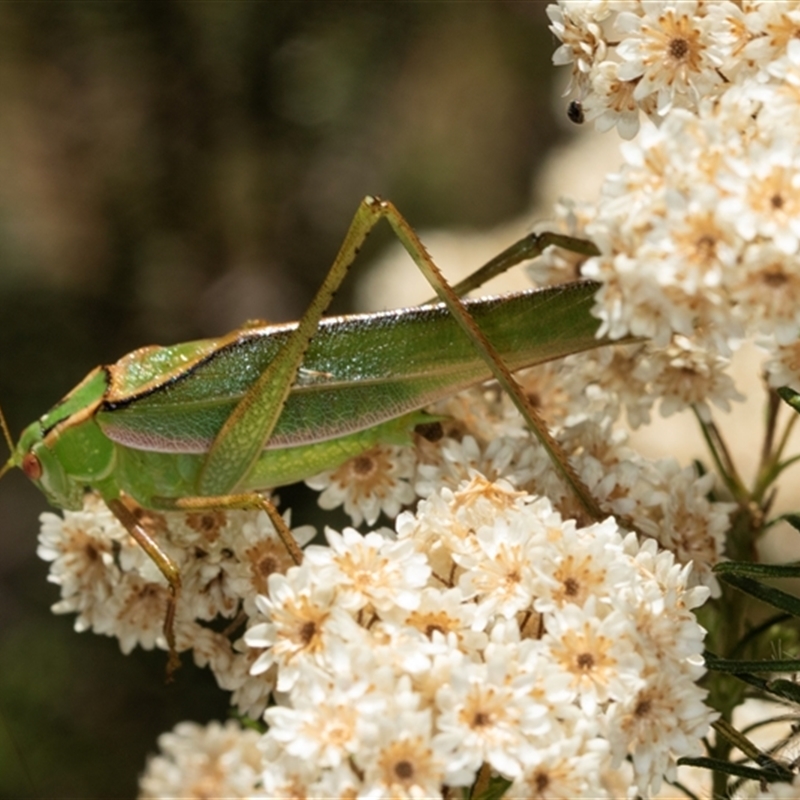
x=168 y=170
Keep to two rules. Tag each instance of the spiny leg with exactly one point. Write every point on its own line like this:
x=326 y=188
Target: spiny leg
x=502 y=374
x=168 y=568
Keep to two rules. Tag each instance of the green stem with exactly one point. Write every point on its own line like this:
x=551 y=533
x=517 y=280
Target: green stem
x=773 y=403
x=771 y=466
x=722 y=459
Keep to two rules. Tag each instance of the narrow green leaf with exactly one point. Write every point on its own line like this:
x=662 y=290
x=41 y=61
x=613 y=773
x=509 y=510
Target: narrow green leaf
x=739 y=770
x=786 y=689
x=767 y=594
x=735 y=666
x=790 y=396
x=731 y=569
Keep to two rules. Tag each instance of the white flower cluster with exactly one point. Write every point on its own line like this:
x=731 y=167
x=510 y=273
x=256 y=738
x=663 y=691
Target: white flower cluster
x=116 y=590
x=486 y=433
x=706 y=246
x=699 y=233
x=488 y=631
x=211 y=761
x=487 y=636
x=651 y=56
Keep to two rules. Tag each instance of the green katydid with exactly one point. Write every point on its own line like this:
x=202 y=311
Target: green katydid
x=210 y=424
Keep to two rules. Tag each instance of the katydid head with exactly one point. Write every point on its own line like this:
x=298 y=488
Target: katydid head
x=36 y=459
x=64 y=452
x=41 y=466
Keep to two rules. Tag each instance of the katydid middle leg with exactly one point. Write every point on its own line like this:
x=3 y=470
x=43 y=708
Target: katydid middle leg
x=530 y=246
x=246 y=501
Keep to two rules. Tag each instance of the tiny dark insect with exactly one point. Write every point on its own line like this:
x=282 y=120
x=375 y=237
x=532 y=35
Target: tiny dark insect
x=575 y=112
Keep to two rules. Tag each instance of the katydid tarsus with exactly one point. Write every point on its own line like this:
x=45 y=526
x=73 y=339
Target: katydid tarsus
x=211 y=424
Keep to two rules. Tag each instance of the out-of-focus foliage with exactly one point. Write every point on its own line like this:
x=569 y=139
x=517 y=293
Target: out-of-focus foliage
x=168 y=170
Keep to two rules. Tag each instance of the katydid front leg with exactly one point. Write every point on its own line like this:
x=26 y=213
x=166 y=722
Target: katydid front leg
x=168 y=568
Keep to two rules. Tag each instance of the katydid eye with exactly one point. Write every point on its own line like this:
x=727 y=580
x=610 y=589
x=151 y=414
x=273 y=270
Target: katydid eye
x=31 y=466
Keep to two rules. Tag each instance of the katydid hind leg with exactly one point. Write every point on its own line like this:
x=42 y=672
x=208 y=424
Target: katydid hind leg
x=244 y=434
x=502 y=374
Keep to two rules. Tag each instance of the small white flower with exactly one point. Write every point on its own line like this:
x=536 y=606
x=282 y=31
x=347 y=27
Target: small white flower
x=578 y=565
x=565 y=770
x=376 y=481
x=597 y=651
x=684 y=375
x=370 y=570
x=305 y=623
x=329 y=721
x=673 y=506
x=401 y=761
x=583 y=39
x=772 y=26
x=611 y=102
x=783 y=367
x=766 y=289
x=79 y=547
x=500 y=574
x=479 y=717
x=260 y=552
x=673 y=49
x=661 y=721
x=444 y=612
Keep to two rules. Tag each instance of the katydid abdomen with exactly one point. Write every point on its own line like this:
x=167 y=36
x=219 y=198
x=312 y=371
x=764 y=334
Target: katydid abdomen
x=150 y=418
